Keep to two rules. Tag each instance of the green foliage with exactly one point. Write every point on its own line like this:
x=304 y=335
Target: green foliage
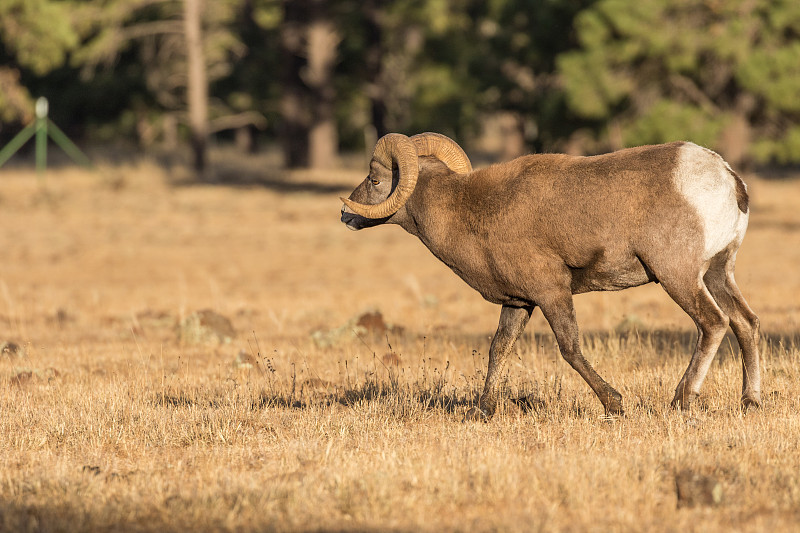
x=267 y=14
x=662 y=70
x=439 y=100
x=667 y=120
x=150 y=34
x=593 y=90
x=512 y=48
x=34 y=35
x=597 y=74
x=783 y=150
x=38 y=33
x=774 y=74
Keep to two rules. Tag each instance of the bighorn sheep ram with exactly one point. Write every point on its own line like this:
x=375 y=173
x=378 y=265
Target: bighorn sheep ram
x=538 y=229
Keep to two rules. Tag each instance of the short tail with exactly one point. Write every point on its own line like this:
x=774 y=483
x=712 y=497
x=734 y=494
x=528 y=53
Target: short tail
x=742 y=198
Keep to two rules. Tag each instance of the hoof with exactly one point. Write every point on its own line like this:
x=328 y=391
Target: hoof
x=613 y=404
x=475 y=414
x=751 y=401
x=683 y=401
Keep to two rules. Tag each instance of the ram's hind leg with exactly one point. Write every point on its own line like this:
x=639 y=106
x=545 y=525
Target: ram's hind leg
x=694 y=297
x=744 y=323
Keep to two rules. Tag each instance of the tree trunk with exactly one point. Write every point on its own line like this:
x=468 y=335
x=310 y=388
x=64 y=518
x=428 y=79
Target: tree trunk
x=244 y=139
x=295 y=118
x=197 y=82
x=323 y=40
x=738 y=134
x=373 y=63
x=512 y=130
x=169 y=132
x=309 y=41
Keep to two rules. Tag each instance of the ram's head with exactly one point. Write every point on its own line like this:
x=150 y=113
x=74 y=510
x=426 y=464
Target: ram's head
x=393 y=174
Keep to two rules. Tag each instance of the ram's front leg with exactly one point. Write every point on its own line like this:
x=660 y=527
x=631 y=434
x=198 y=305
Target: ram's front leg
x=512 y=323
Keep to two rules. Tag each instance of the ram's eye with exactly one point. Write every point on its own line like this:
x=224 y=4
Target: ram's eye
x=375 y=182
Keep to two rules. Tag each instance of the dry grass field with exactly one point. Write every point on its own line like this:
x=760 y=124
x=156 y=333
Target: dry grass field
x=303 y=420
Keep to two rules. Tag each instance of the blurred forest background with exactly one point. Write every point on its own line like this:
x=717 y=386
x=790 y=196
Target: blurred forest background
x=323 y=77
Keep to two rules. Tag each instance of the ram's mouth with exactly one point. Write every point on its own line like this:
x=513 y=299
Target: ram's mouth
x=356 y=222
x=351 y=220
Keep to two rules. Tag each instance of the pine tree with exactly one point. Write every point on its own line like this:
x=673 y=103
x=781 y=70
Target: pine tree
x=35 y=35
x=719 y=73
x=184 y=45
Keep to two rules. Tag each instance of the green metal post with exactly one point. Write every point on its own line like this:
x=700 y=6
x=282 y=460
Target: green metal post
x=41 y=135
x=68 y=146
x=16 y=143
x=43 y=127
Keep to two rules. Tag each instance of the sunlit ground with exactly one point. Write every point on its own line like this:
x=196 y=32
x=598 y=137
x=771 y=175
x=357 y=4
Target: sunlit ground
x=109 y=421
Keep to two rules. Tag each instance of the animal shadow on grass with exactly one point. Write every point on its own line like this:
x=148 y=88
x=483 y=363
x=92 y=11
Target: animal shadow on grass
x=400 y=399
x=438 y=392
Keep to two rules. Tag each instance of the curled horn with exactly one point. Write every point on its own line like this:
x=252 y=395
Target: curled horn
x=443 y=148
x=398 y=149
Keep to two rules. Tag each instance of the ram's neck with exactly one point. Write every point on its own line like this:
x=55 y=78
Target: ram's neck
x=431 y=209
x=434 y=216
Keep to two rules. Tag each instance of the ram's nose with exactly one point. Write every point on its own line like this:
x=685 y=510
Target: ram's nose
x=348 y=218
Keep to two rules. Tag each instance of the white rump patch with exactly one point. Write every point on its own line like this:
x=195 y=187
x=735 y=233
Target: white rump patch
x=705 y=180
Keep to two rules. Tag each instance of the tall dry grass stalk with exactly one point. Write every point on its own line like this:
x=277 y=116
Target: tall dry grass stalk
x=108 y=422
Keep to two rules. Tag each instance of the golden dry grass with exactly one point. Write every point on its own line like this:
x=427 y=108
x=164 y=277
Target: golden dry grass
x=109 y=423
